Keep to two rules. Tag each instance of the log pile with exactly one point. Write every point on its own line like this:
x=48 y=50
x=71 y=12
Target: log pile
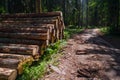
x=23 y=38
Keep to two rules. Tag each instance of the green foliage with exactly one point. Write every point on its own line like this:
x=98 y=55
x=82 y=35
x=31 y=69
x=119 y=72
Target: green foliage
x=105 y=30
x=70 y=30
x=33 y=72
x=92 y=4
x=39 y=68
x=2 y=10
x=2 y=6
x=110 y=31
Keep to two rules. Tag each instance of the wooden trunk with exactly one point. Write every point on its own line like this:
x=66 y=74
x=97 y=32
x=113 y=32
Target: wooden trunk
x=32 y=36
x=8 y=74
x=23 y=41
x=48 y=28
x=32 y=15
x=32 y=23
x=29 y=24
x=15 y=56
x=19 y=49
x=26 y=26
x=53 y=20
x=24 y=30
x=30 y=19
x=15 y=63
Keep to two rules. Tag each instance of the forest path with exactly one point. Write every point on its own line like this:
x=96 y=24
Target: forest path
x=87 y=56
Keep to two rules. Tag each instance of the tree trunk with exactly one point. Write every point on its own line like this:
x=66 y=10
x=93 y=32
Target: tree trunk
x=38 y=6
x=87 y=14
x=6 y=5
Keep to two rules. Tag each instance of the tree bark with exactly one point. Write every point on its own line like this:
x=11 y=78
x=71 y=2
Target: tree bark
x=22 y=41
x=19 y=49
x=26 y=30
x=15 y=63
x=8 y=74
x=38 y=6
x=32 y=15
x=32 y=36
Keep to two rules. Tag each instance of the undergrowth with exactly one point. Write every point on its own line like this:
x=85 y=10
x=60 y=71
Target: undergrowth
x=109 y=31
x=68 y=32
x=39 y=68
x=105 y=30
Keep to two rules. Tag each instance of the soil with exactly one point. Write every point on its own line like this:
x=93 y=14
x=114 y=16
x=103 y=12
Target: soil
x=87 y=57
x=114 y=40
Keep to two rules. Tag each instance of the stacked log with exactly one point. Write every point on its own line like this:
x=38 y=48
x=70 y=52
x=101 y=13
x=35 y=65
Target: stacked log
x=24 y=37
x=23 y=41
x=42 y=16
x=8 y=74
x=14 y=61
x=35 y=22
x=40 y=28
x=32 y=15
x=34 y=36
x=27 y=30
x=19 y=49
x=42 y=44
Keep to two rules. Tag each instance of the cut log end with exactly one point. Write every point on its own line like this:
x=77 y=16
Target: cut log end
x=14 y=63
x=8 y=74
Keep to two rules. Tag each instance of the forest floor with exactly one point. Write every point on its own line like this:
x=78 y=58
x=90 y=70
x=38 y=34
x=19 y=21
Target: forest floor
x=114 y=40
x=87 y=57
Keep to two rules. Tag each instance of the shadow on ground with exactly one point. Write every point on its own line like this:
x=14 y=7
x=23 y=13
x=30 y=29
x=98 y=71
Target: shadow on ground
x=103 y=48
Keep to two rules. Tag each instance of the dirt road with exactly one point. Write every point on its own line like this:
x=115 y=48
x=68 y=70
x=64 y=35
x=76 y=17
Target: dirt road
x=87 y=57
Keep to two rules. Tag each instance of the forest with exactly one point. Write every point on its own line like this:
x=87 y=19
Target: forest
x=82 y=13
x=60 y=40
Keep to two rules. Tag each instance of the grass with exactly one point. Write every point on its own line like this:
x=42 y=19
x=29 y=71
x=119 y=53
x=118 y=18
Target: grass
x=107 y=33
x=68 y=32
x=110 y=32
x=52 y=54
x=105 y=30
x=39 y=68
